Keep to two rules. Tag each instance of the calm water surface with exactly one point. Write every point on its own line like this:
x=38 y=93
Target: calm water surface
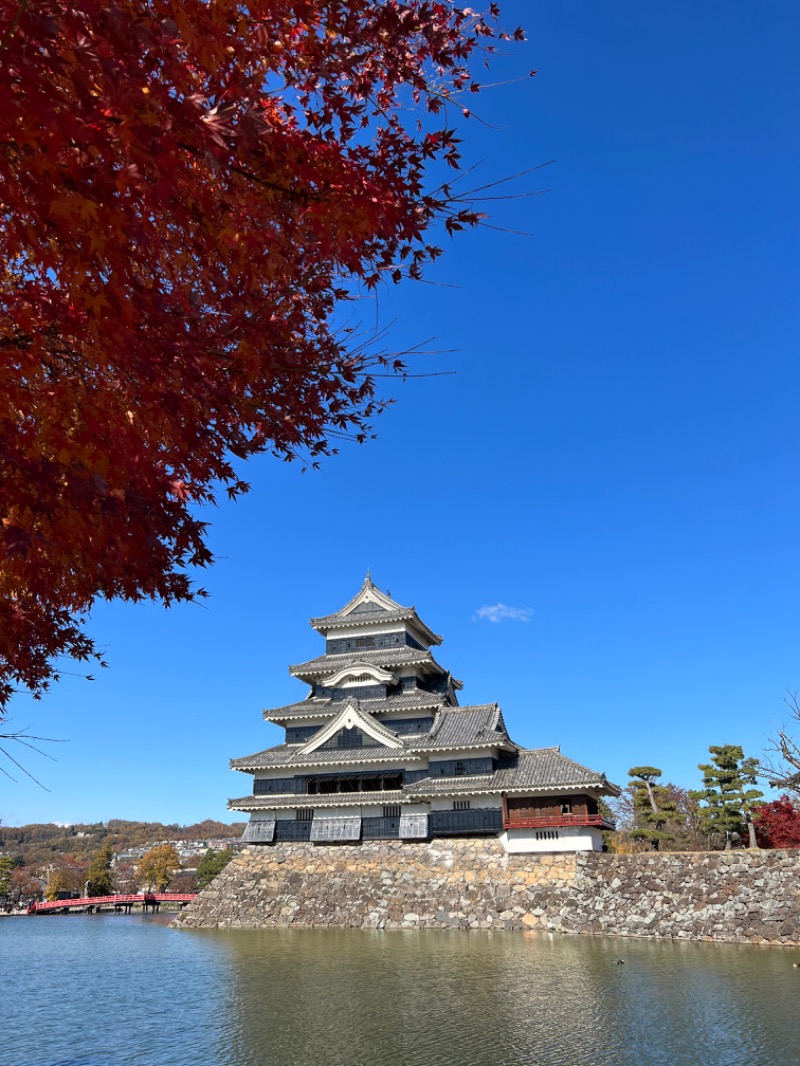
x=113 y=990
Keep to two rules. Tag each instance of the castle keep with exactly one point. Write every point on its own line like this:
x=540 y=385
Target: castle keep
x=380 y=749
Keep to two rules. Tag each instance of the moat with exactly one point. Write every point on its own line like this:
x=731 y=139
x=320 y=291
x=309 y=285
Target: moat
x=116 y=991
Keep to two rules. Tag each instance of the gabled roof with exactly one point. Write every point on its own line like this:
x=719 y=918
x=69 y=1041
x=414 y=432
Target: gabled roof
x=415 y=700
x=467 y=727
x=369 y=606
x=358 y=666
x=349 y=717
x=325 y=665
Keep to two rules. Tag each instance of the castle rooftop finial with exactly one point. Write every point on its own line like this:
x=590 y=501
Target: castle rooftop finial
x=368 y=578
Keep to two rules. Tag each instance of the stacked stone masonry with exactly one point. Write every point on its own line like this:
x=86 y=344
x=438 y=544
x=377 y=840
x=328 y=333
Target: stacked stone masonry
x=737 y=896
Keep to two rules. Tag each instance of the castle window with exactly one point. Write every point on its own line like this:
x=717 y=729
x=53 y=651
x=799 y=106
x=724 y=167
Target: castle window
x=391 y=812
x=304 y=815
x=459 y=769
x=460 y=805
x=566 y=808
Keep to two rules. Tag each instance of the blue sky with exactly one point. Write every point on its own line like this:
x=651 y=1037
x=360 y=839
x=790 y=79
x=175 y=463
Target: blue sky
x=615 y=456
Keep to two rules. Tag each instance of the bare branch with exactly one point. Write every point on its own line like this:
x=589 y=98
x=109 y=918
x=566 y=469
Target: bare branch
x=24 y=738
x=780 y=766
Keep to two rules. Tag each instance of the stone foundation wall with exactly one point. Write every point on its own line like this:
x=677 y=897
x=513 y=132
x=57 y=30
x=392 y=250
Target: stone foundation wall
x=464 y=884
x=472 y=884
x=740 y=896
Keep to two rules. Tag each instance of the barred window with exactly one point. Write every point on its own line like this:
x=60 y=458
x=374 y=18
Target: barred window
x=459 y=769
x=304 y=814
x=391 y=812
x=460 y=805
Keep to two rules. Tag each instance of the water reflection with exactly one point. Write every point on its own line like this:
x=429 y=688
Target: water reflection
x=115 y=991
x=439 y=999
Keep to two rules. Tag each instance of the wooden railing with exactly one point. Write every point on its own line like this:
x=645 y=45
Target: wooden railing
x=556 y=821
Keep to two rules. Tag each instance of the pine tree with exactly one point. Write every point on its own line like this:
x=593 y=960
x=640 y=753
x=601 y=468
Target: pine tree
x=653 y=806
x=726 y=800
x=212 y=863
x=100 y=876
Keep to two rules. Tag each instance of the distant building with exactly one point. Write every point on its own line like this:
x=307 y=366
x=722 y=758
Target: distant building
x=381 y=750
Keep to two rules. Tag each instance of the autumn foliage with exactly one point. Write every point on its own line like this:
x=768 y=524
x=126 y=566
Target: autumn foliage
x=778 y=823
x=189 y=189
x=157 y=867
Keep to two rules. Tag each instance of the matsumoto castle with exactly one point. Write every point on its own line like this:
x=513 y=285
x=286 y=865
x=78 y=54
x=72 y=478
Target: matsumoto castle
x=380 y=749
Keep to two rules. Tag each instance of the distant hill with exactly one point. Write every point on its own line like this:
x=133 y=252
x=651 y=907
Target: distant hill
x=38 y=844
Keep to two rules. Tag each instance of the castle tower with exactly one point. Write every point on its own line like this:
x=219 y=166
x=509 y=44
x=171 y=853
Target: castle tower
x=380 y=749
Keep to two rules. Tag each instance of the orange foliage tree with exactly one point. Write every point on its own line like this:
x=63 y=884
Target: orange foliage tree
x=158 y=866
x=188 y=190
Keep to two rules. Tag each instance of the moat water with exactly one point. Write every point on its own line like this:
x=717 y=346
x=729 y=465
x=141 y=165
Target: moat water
x=130 y=991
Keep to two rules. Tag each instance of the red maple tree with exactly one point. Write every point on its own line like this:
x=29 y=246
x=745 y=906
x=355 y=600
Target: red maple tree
x=778 y=823
x=188 y=190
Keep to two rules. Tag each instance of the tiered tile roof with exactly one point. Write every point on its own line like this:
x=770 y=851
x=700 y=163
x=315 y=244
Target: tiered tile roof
x=370 y=605
x=545 y=768
x=324 y=665
x=415 y=700
x=291 y=755
x=454 y=728
x=481 y=726
x=537 y=770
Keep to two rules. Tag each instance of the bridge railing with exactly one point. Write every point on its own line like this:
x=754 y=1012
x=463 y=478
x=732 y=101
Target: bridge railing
x=100 y=901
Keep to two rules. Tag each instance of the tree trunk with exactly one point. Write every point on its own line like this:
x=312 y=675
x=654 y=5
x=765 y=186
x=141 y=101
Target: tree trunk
x=751 y=834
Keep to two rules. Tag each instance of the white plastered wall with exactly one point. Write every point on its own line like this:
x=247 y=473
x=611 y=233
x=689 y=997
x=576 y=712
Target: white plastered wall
x=532 y=841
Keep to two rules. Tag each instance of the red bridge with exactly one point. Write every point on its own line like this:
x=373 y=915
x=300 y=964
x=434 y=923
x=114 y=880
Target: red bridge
x=146 y=900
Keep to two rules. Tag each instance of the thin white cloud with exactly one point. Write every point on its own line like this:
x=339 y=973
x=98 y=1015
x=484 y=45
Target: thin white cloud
x=499 y=612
